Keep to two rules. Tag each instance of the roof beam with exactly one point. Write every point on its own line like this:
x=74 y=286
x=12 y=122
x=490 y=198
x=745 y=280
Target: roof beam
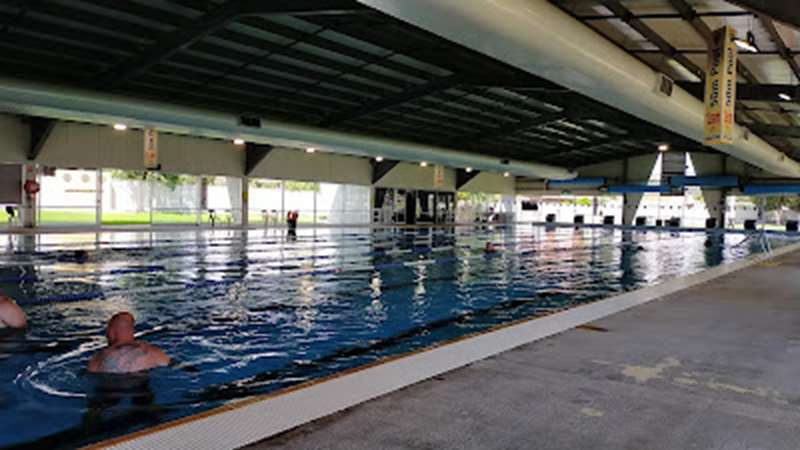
x=776 y=130
x=405 y=96
x=784 y=51
x=702 y=51
x=783 y=11
x=511 y=129
x=648 y=33
x=689 y=14
x=463 y=177
x=208 y=24
x=40 y=130
x=254 y=154
x=667 y=15
x=752 y=92
x=382 y=168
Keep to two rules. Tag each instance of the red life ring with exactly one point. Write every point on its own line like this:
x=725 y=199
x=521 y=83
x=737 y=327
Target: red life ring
x=32 y=187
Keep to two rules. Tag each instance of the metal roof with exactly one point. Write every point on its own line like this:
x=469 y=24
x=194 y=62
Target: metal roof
x=340 y=65
x=671 y=36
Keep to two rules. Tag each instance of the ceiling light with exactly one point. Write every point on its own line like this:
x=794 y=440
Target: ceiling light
x=238 y=141
x=379 y=158
x=745 y=46
x=748 y=44
x=506 y=174
x=120 y=127
x=468 y=169
x=784 y=96
x=311 y=150
x=423 y=164
x=663 y=147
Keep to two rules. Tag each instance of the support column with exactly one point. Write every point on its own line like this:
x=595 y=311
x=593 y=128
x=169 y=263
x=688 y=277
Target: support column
x=98 y=194
x=641 y=169
x=715 y=204
x=245 y=203
x=203 y=193
x=630 y=204
x=27 y=211
x=713 y=197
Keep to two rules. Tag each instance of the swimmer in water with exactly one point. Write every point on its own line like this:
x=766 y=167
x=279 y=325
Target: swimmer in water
x=81 y=256
x=11 y=315
x=124 y=354
x=489 y=248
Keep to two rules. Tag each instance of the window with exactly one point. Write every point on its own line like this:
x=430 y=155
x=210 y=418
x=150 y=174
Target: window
x=68 y=197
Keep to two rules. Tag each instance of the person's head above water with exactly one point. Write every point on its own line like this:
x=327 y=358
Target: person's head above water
x=120 y=329
x=11 y=315
x=81 y=256
x=124 y=353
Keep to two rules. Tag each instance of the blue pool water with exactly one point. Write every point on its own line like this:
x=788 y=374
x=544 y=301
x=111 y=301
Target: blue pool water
x=245 y=314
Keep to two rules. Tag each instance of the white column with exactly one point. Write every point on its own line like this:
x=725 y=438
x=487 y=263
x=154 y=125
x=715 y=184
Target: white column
x=315 y=207
x=99 y=197
x=28 y=208
x=281 y=218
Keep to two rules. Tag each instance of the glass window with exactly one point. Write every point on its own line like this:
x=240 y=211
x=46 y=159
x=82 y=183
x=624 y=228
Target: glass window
x=68 y=197
x=266 y=201
x=223 y=200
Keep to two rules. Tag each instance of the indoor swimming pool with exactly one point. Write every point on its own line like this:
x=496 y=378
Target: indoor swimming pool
x=247 y=313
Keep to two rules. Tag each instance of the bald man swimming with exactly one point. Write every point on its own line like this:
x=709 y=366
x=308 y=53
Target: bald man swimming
x=124 y=353
x=11 y=315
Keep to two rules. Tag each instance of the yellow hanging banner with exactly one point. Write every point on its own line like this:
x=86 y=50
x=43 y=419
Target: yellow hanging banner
x=720 y=95
x=151 y=149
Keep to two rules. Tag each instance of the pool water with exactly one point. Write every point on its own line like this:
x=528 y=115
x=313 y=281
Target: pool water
x=243 y=314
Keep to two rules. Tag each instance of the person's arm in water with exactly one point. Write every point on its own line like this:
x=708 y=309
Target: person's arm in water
x=11 y=315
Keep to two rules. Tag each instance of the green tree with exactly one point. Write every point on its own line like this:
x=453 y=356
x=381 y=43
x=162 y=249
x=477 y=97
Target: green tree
x=170 y=180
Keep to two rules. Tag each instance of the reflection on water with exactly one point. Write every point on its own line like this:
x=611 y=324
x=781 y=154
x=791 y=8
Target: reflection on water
x=247 y=316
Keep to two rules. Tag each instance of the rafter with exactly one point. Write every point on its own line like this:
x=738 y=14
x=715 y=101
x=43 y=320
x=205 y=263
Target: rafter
x=382 y=168
x=752 y=92
x=776 y=130
x=40 y=130
x=400 y=98
x=648 y=33
x=784 y=51
x=463 y=177
x=208 y=24
x=784 y=11
x=254 y=155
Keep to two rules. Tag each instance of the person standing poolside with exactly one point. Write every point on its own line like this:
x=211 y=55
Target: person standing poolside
x=11 y=315
x=124 y=353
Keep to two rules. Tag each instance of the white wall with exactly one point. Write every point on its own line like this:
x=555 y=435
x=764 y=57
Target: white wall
x=413 y=176
x=89 y=146
x=490 y=183
x=13 y=139
x=292 y=164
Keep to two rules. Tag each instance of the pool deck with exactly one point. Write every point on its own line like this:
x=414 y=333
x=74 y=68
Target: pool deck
x=716 y=366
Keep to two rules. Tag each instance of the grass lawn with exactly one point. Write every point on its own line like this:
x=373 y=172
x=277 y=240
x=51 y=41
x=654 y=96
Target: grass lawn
x=74 y=217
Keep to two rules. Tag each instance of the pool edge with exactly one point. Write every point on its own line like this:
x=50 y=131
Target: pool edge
x=250 y=420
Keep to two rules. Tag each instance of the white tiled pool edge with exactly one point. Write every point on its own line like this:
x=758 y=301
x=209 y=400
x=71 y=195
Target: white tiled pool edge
x=257 y=420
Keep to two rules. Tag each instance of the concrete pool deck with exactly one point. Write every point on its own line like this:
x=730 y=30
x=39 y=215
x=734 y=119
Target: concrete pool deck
x=715 y=366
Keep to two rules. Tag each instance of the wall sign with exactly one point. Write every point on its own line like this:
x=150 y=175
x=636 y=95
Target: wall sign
x=438 y=176
x=151 y=150
x=720 y=95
